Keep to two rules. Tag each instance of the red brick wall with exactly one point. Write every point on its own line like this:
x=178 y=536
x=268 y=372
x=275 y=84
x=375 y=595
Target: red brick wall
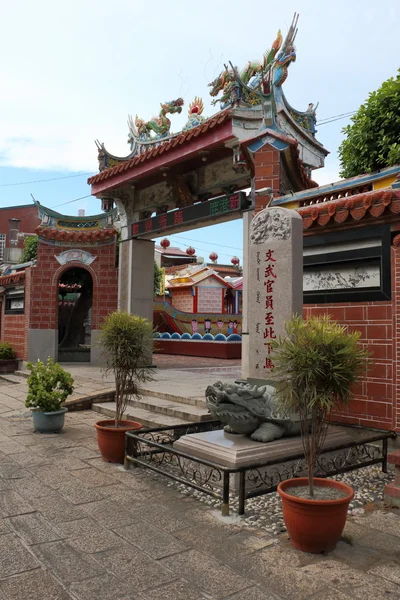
x=374 y=404
x=46 y=275
x=28 y=214
x=182 y=300
x=395 y=264
x=14 y=328
x=266 y=173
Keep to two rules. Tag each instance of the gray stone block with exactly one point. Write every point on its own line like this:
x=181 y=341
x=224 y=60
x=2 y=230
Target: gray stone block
x=14 y=557
x=153 y=541
x=206 y=573
x=12 y=504
x=66 y=563
x=134 y=567
x=105 y=586
x=86 y=535
x=34 y=529
x=35 y=585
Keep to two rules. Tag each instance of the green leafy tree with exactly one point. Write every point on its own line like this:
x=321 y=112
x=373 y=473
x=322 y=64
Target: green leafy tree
x=373 y=139
x=317 y=364
x=127 y=342
x=30 y=249
x=158 y=275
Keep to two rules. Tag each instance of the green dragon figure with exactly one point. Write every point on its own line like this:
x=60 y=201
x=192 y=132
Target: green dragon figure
x=250 y=410
x=160 y=125
x=256 y=77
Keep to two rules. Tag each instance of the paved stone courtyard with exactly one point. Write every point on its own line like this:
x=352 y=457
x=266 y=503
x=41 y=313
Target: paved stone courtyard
x=73 y=527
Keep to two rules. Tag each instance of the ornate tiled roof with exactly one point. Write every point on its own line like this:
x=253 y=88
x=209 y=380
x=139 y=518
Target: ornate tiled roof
x=65 y=235
x=172 y=143
x=356 y=207
x=13 y=278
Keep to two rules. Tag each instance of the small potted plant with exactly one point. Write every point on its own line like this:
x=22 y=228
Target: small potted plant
x=317 y=365
x=8 y=360
x=48 y=388
x=126 y=341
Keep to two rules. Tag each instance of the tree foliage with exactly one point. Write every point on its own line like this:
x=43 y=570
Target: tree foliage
x=373 y=139
x=30 y=249
x=6 y=351
x=317 y=364
x=127 y=342
x=48 y=386
x=158 y=275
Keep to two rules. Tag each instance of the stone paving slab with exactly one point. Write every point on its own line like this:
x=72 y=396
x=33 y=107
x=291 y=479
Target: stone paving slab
x=75 y=528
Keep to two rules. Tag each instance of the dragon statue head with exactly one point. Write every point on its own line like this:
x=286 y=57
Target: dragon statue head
x=220 y=82
x=174 y=106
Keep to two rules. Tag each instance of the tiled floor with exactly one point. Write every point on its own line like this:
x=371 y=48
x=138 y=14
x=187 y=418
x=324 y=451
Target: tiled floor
x=74 y=527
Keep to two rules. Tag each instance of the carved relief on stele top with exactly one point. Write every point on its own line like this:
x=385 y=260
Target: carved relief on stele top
x=271 y=223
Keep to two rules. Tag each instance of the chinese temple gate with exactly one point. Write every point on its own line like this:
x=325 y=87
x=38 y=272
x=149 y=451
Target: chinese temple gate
x=172 y=182
x=54 y=307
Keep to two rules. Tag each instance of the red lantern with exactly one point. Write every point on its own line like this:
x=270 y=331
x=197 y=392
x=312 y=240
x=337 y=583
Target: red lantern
x=213 y=256
x=165 y=243
x=190 y=251
x=235 y=261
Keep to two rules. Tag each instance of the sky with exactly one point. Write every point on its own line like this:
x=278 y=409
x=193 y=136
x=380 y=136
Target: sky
x=72 y=72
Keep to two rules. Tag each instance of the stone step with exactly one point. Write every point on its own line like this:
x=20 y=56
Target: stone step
x=145 y=417
x=171 y=408
x=22 y=373
x=191 y=401
x=11 y=378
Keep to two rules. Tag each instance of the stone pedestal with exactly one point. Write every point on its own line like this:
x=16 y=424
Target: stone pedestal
x=274 y=287
x=227 y=450
x=392 y=490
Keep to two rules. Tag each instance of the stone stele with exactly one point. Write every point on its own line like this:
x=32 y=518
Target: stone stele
x=274 y=287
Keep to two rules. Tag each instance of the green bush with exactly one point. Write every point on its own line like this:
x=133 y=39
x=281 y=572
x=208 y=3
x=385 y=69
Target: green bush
x=6 y=352
x=30 y=249
x=48 y=386
x=127 y=342
x=316 y=366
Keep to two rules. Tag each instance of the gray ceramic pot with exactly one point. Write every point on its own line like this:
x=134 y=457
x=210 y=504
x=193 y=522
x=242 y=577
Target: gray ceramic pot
x=49 y=422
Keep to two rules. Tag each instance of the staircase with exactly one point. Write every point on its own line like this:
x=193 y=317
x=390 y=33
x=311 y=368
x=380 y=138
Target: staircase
x=158 y=409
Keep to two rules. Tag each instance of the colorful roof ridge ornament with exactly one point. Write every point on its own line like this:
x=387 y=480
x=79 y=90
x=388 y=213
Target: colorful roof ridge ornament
x=155 y=129
x=195 y=114
x=257 y=79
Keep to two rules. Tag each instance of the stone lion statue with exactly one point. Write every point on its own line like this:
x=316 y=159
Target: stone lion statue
x=250 y=410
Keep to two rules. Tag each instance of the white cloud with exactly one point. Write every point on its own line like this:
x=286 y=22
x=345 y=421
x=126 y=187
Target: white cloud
x=72 y=72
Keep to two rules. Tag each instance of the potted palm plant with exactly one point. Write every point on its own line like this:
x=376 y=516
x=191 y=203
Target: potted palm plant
x=317 y=365
x=126 y=341
x=48 y=388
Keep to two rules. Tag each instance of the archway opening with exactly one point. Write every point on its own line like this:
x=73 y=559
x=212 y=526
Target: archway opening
x=75 y=299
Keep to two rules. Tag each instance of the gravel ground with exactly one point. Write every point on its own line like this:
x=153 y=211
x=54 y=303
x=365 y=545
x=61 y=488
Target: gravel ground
x=265 y=511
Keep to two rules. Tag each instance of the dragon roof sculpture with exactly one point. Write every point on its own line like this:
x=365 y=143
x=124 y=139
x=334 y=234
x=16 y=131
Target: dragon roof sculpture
x=257 y=86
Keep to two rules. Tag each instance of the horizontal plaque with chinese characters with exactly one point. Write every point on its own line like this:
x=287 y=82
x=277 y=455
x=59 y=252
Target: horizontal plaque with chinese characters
x=197 y=212
x=275 y=285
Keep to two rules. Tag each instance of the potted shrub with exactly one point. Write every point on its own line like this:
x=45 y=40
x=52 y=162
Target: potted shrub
x=48 y=388
x=317 y=365
x=126 y=341
x=8 y=360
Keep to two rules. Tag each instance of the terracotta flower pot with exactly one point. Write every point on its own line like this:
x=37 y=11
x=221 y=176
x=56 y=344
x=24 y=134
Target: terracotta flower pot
x=314 y=525
x=111 y=439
